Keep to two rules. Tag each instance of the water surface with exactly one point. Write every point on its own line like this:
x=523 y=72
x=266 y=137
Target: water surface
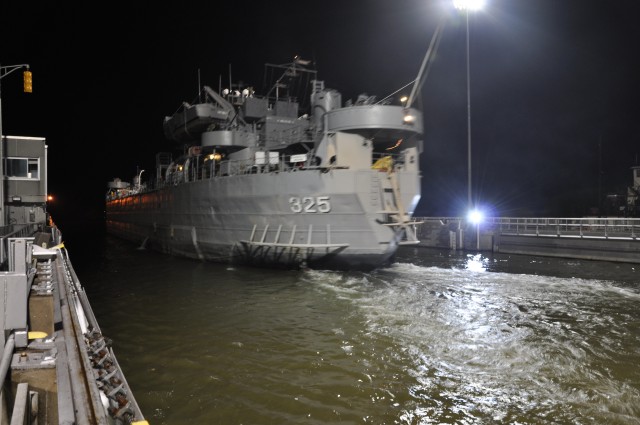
x=440 y=337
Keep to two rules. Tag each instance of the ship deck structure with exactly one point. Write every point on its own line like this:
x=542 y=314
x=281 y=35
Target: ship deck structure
x=281 y=179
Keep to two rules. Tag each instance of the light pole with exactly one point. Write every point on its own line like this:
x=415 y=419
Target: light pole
x=473 y=214
x=4 y=71
x=468 y=6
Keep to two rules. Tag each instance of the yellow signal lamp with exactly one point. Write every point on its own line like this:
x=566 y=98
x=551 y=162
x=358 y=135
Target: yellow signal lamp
x=28 y=81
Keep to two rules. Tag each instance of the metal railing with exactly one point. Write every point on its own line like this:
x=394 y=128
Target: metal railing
x=588 y=227
x=200 y=168
x=583 y=227
x=15 y=231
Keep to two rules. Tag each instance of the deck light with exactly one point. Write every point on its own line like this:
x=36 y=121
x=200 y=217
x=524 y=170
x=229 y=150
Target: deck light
x=408 y=118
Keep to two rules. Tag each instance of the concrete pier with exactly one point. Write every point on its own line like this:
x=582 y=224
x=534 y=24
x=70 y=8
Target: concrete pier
x=56 y=367
x=609 y=239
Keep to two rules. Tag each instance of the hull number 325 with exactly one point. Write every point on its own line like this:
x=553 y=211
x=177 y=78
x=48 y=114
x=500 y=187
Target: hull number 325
x=310 y=204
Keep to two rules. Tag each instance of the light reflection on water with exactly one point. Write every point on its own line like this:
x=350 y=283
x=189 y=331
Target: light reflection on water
x=507 y=348
x=476 y=263
x=436 y=338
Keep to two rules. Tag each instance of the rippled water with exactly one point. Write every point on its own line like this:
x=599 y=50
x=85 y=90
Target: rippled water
x=438 y=338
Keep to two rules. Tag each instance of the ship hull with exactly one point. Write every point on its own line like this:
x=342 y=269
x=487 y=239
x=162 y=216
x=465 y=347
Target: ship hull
x=324 y=219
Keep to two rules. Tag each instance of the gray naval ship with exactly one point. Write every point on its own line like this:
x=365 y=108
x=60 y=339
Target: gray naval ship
x=291 y=178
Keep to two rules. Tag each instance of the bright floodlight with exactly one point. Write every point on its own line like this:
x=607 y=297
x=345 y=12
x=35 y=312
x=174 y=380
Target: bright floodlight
x=475 y=216
x=468 y=4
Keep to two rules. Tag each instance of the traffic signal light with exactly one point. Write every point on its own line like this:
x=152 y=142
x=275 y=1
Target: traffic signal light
x=28 y=84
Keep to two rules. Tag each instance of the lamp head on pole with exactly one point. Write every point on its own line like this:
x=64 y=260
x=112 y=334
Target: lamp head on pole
x=469 y=5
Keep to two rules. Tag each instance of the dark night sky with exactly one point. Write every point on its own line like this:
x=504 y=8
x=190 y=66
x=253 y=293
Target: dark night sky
x=554 y=87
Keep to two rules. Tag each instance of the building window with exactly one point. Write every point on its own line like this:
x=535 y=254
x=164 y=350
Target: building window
x=22 y=168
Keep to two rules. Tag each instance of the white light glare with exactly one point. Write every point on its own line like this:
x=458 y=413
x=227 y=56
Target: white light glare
x=409 y=119
x=475 y=216
x=471 y=5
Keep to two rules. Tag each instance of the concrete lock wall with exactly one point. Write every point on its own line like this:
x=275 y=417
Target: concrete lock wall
x=589 y=249
x=456 y=234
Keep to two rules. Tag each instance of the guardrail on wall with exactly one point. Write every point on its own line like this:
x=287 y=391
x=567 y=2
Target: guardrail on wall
x=589 y=227
x=595 y=228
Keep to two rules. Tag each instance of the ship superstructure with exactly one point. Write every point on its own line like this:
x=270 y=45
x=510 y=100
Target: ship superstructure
x=279 y=179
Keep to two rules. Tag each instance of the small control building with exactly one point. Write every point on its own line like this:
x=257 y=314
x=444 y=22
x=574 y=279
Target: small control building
x=24 y=191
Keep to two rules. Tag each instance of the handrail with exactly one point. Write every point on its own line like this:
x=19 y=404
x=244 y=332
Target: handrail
x=570 y=227
x=14 y=231
x=200 y=168
x=7 y=354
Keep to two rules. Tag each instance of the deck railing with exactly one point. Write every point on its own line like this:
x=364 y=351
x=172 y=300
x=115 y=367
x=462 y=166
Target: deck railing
x=201 y=168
